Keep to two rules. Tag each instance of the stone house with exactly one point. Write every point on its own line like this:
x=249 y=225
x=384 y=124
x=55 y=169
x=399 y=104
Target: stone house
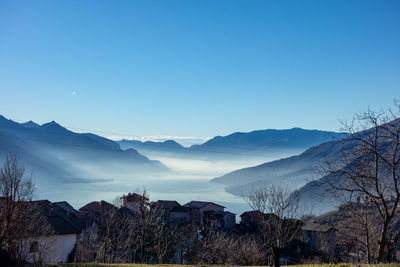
x=173 y=212
x=200 y=207
x=222 y=219
x=320 y=237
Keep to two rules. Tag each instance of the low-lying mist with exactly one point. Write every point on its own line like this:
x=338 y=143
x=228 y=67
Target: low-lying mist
x=84 y=167
x=187 y=179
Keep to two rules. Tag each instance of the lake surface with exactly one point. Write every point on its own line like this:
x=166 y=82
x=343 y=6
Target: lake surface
x=189 y=179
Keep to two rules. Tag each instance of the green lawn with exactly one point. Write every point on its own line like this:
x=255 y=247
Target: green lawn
x=172 y=265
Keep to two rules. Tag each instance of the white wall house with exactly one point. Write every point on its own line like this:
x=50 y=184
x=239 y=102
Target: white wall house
x=49 y=249
x=57 y=240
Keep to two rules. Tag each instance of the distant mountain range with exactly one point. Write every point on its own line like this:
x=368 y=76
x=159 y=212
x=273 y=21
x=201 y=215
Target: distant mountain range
x=303 y=173
x=296 y=172
x=261 y=140
x=251 y=144
x=169 y=145
x=56 y=154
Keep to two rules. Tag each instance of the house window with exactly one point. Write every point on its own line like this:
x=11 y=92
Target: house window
x=34 y=246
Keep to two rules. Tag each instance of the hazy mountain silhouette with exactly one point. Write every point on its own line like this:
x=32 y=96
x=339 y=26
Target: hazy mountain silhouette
x=286 y=170
x=297 y=172
x=168 y=145
x=57 y=154
x=295 y=138
x=261 y=143
x=30 y=124
x=303 y=172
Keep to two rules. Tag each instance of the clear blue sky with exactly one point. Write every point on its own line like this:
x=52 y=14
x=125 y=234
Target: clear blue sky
x=197 y=68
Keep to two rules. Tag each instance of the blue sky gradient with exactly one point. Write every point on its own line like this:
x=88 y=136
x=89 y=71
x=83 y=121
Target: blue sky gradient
x=197 y=68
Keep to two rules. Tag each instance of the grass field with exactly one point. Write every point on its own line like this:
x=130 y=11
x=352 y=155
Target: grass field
x=172 y=265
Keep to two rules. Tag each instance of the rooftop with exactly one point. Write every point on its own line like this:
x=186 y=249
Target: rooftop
x=66 y=207
x=180 y=209
x=64 y=225
x=166 y=204
x=316 y=227
x=97 y=207
x=200 y=204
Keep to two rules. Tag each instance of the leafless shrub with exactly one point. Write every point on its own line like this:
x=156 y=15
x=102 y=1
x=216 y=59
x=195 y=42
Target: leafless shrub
x=278 y=209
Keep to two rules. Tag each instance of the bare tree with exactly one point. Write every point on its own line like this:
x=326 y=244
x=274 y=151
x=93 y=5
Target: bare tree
x=277 y=221
x=16 y=189
x=250 y=251
x=111 y=238
x=358 y=227
x=148 y=226
x=110 y=234
x=212 y=246
x=16 y=205
x=129 y=233
x=26 y=231
x=166 y=241
x=86 y=244
x=369 y=168
x=185 y=236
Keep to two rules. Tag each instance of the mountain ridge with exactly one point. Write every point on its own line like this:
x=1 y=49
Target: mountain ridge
x=304 y=173
x=56 y=153
x=240 y=144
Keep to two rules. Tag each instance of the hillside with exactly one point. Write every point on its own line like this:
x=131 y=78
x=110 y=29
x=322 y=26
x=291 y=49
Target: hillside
x=57 y=154
x=303 y=172
x=297 y=172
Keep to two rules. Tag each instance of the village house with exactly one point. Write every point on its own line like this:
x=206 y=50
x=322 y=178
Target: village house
x=134 y=201
x=95 y=209
x=199 y=207
x=196 y=211
x=250 y=221
x=179 y=215
x=320 y=237
x=67 y=226
x=212 y=213
x=307 y=245
x=173 y=212
x=56 y=241
x=222 y=219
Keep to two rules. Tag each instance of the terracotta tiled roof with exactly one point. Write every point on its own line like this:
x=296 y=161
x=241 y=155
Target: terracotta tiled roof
x=97 y=207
